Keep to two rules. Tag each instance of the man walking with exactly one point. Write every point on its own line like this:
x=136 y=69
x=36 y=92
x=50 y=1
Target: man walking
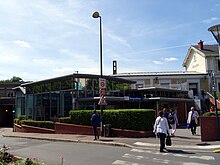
x=193 y=120
x=95 y=123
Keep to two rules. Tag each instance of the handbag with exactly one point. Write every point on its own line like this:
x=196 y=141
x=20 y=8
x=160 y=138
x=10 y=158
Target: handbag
x=168 y=141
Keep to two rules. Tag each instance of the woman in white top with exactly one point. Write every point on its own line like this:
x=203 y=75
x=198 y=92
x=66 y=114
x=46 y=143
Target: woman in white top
x=161 y=129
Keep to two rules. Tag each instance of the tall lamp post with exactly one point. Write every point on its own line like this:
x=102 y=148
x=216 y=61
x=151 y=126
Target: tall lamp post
x=215 y=30
x=97 y=15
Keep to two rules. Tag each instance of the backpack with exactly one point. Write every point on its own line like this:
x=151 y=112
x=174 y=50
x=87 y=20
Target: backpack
x=171 y=119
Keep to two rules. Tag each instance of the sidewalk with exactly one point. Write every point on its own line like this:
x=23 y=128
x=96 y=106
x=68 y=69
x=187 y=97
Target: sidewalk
x=183 y=139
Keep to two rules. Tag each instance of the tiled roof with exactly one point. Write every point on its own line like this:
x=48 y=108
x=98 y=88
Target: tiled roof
x=208 y=49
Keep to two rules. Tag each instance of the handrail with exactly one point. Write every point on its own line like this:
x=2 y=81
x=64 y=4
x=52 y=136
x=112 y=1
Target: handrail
x=213 y=97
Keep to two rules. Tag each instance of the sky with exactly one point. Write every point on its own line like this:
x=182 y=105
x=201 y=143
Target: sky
x=42 y=39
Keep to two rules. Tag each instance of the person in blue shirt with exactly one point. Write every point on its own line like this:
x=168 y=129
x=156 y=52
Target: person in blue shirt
x=95 y=119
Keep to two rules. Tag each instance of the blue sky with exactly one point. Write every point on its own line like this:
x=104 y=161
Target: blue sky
x=41 y=39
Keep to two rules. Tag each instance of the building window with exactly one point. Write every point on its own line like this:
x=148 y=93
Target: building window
x=218 y=65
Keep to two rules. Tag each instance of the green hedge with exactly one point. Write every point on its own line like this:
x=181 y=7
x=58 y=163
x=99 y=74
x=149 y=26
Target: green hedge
x=133 y=119
x=42 y=124
x=211 y=114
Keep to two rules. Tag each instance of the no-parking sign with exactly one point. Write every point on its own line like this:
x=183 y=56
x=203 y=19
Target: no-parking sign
x=102 y=83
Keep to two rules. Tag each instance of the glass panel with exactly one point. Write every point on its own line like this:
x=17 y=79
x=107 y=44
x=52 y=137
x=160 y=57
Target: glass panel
x=55 y=86
x=29 y=105
x=46 y=87
x=66 y=84
x=36 y=88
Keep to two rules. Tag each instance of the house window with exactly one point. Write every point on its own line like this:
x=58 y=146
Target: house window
x=139 y=85
x=165 y=85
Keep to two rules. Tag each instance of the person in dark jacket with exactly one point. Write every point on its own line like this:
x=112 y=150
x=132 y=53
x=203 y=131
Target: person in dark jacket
x=95 y=119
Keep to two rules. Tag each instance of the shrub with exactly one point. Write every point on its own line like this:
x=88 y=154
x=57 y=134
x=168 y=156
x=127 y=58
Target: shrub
x=133 y=119
x=65 y=120
x=43 y=124
x=211 y=114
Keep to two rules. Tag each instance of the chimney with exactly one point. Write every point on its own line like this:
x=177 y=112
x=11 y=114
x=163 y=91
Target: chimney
x=114 y=67
x=200 y=45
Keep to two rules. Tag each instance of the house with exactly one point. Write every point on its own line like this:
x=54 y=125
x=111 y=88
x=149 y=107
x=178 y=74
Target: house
x=200 y=63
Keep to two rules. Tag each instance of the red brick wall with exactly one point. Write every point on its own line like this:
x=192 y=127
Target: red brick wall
x=62 y=128
x=131 y=133
x=208 y=128
x=31 y=129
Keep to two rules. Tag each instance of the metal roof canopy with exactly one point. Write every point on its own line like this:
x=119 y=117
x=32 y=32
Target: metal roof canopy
x=77 y=75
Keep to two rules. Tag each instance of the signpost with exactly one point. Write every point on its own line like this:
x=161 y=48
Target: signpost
x=102 y=101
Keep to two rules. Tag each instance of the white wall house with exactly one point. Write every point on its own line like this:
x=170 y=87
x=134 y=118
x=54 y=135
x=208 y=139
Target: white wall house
x=199 y=62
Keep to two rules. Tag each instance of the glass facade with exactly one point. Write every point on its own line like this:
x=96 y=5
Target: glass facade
x=48 y=100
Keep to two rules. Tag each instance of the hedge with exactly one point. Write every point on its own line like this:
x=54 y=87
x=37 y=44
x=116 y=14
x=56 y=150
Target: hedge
x=42 y=124
x=132 y=119
x=211 y=114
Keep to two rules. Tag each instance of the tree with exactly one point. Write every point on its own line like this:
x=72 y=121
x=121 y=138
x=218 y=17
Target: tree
x=13 y=79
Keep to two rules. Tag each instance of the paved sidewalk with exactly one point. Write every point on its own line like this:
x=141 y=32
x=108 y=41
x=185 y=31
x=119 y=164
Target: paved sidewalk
x=183 y=139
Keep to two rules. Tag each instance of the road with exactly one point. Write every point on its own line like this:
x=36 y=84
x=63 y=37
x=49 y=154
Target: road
x=95 y=154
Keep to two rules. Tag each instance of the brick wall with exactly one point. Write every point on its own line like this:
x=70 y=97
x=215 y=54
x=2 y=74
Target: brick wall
x=208 y=128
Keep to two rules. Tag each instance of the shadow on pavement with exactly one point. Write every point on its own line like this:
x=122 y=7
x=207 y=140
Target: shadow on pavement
x=184 y=137
x=203 y=144
x=106 y=140
x=179 y=151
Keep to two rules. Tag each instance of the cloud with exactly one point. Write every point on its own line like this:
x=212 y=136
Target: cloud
x=22 y=43
x=117 y=38
x=210 y=20
x=164 y=60
x=169 y=59
x=158 y=62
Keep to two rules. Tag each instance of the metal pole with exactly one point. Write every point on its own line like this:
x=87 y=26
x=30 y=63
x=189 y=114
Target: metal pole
x=101 y=106
x=216 y=106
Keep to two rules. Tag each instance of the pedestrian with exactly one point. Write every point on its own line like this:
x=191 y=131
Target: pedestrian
x=165 y=113
x=161 y=130
x=95 y=119
x=193 y=120
x=212 y=109
x=173 y=121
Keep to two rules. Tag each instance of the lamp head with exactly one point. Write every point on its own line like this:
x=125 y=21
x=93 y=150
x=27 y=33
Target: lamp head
x=215 y=30
x=96 y=14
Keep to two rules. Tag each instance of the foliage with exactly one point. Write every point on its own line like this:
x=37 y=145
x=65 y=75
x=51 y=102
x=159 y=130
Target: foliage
x=211 y=114
x=9 y=159
x=133 y=119
x=42 y=124
x=19 y=119
x=65 y=120
x=13 y=79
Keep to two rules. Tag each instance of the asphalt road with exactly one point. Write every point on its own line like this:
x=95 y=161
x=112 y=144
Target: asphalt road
x=95 y=154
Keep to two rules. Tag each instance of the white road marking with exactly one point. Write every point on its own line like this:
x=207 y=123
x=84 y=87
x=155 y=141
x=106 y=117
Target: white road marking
x=131 y=156
x=192 y=163
x=122 y=162
x=202 y=157
x=179 y=146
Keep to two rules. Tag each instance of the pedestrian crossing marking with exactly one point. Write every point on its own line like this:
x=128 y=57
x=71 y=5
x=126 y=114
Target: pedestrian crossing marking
x=122 y=162
x=202 y=157
x=134 y=156
x=178 y=146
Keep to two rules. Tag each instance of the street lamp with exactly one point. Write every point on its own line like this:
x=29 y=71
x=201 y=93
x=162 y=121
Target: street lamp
x=97 y=15
x=215 y=30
